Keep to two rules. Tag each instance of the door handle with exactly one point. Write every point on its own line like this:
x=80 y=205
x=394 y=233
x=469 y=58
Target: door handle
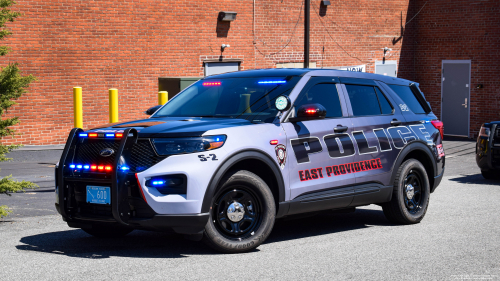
x=340 y=129
x=395 y=122
x=465 y=104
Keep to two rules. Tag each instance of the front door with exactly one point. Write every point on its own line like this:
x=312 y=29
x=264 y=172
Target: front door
x=317 y=150
x=455 y=98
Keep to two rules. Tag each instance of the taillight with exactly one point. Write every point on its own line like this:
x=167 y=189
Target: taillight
x=438 y=125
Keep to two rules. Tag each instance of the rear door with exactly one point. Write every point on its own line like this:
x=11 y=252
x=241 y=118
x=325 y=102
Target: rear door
x=375 y=118
x=315 y=181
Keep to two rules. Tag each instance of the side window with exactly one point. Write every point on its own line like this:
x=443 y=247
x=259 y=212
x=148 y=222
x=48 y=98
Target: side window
x=405 y=93
x=368 y=100
x=325 y=94
x=364 y=100
x=384 y=103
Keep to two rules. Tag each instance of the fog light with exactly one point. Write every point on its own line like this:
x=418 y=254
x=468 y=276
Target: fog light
x=169 y=184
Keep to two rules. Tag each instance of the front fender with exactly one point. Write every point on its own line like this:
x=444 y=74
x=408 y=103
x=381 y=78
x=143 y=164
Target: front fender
x=230 y=162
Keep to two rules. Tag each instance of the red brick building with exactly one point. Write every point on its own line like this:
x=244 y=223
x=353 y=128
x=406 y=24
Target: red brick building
x=129 y=45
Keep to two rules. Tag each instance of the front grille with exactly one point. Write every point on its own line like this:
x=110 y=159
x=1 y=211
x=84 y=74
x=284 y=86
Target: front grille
x=142 y=157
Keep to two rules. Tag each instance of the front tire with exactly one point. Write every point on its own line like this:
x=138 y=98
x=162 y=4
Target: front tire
x=410 y=197
x=242 y=214
x=107 y=231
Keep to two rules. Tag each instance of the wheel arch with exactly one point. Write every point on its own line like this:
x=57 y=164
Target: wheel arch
x=248 y=160
x=420 y=151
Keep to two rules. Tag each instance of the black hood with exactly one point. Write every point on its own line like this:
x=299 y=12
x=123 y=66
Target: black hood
x=174 y=126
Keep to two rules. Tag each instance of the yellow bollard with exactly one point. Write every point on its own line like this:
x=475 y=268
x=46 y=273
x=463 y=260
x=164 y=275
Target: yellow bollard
x=162 y=97
x=77 y=107
x=113 y=105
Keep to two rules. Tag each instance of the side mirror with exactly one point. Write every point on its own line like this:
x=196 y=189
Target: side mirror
x=152 y=109
x=311 y=111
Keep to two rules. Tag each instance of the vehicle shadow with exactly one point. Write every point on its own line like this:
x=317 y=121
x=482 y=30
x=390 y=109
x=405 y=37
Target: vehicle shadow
x=144 y=244
x=476 y=179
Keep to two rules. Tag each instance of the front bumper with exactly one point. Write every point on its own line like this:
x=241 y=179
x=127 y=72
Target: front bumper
x=183 y=224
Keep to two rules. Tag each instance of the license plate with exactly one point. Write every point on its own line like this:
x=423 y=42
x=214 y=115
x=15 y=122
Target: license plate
x=98 y=194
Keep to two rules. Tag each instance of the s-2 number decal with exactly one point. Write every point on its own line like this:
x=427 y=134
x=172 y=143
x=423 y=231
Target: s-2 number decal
x=204 y=158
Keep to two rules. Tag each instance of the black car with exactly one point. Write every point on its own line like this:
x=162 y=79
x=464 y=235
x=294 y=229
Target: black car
x=488 y=150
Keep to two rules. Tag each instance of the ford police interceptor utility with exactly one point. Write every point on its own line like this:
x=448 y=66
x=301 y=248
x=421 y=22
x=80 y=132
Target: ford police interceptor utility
x=231 y=153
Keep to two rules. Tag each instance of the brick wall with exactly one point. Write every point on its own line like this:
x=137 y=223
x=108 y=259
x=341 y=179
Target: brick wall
x=129 y=44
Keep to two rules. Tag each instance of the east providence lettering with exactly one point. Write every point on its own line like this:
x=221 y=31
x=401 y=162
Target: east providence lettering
x=342 y=169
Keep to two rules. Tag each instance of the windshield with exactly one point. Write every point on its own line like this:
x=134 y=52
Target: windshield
x=245 y=98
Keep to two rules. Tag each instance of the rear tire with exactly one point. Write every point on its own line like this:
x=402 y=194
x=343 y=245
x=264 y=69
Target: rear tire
x=410 y=197
x=490 y=175
x=107 y=231
x=242 y=214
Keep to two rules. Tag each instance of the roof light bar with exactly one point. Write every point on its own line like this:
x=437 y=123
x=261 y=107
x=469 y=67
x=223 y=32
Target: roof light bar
x=83 y=135
x=211 y=84
x=273 y=82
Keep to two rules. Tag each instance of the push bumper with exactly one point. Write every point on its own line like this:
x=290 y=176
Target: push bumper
x=119 y=212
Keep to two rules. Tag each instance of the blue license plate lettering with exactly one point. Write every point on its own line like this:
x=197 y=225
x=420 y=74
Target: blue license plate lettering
x=98 y=194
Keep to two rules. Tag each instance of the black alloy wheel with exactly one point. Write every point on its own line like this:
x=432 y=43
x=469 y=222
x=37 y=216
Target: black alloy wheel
x=413 y=191
x=411 y=194
x=238 y=213
x=242 y=213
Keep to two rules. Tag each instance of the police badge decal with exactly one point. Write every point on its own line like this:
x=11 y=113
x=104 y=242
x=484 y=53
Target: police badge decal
x=281 y=155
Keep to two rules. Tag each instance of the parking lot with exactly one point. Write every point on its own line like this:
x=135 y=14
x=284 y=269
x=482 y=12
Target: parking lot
x=457 y=240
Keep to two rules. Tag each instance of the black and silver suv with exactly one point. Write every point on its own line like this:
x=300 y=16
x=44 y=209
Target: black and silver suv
x=231 y=153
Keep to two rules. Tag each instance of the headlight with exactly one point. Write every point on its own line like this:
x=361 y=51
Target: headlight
x=484 y=132
x=171 y=146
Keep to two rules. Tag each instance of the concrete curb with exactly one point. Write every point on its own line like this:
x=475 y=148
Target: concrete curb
x=41 y=147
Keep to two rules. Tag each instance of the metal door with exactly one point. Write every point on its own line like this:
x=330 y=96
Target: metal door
x=455 y=87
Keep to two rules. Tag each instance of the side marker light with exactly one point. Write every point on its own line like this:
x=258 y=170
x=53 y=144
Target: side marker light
x=274 y=142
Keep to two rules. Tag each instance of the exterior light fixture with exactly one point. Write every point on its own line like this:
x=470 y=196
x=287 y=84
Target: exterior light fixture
x=325 y=2
x=227 y=16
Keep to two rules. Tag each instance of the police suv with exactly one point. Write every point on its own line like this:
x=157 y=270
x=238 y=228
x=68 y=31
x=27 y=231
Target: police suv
x=231 y=153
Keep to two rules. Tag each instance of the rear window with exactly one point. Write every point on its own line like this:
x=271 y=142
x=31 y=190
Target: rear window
x=406 y=94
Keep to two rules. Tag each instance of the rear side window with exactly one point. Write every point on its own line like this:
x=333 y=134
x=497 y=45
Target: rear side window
x=325 y=94
x=384 y=103
x=405 y=93
x=368 y=100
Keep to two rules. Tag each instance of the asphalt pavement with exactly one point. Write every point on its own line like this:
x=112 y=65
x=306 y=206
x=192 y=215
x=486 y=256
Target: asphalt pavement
x=457 y=240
